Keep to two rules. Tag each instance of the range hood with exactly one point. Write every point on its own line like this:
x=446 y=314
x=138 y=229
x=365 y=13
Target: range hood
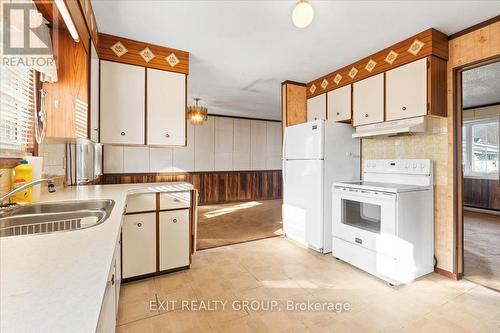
x=422 y=124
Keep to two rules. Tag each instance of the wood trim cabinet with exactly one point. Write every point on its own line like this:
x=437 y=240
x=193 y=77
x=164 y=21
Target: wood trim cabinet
x=157 y=233
x=406 y=91
x=368 y=100
x=166 y=108
x=339 y=104
x=316 y=108
x=122 y=107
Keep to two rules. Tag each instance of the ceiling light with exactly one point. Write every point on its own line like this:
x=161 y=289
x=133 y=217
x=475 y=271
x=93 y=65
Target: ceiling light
x=197 y=114
x=302 y=14
x=61 y=6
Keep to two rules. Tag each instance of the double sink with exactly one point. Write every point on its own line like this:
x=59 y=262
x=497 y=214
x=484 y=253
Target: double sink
x=51 y=217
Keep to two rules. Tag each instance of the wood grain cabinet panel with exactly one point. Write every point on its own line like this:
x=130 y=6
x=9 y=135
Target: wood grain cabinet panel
x=258 y=142
x=139 y=244
x=174 y=239
x=368 y=100
x=67 y=99
x=204 y=146
x=224 y=131
x=122 y=103
x=339 y=104
x=241 y=144
x=406 y=91
x=166 y=108
x=316 y=108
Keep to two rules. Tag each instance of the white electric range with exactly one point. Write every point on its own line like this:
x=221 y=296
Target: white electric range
x=384 y=224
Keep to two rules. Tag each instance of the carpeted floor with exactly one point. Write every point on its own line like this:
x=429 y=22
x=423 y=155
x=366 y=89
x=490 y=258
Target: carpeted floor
x=482 y=249
x=238 y=222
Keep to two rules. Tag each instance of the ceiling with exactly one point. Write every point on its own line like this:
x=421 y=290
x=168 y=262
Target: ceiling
x=240 y=51
x=481 y=86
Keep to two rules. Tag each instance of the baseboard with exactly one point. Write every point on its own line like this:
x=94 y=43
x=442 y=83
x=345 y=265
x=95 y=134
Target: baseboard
x=482 y=210
x=449 y=275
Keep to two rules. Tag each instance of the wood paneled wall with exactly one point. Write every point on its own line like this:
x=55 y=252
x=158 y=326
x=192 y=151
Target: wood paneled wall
x=215 y=187
x=481 y=193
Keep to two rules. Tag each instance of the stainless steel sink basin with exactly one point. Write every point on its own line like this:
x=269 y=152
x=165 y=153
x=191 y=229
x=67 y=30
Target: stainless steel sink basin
x=61 y=206
x=54 y=217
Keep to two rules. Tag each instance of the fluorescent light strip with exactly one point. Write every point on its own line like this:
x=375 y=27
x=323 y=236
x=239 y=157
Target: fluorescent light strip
x=61 y=6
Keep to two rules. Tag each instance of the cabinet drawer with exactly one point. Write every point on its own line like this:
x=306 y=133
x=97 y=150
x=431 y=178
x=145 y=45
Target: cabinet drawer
x=174 y=239
x=143 y=202
x=139 y=244
x=175 y=200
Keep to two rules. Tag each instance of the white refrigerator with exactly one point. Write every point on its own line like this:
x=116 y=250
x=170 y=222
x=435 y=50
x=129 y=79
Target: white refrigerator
x=315 y=154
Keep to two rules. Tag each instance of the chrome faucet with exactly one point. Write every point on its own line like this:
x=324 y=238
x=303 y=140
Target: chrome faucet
x=50 y=185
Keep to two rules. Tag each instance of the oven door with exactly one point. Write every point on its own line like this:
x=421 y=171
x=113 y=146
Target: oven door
x=365 y=218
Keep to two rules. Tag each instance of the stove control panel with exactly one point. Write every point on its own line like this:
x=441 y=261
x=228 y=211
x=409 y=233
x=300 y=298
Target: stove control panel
x=399 y=166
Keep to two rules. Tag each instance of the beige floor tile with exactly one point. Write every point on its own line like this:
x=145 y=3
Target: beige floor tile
x=278 y=270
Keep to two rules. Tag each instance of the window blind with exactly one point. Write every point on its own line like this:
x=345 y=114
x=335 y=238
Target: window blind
x=17 y=98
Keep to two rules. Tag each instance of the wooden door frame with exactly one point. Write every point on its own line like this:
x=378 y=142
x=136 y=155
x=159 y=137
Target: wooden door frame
x=458 y=204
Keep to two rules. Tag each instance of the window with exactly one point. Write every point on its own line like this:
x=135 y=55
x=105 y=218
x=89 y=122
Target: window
x=480 y=148
x=17 y=98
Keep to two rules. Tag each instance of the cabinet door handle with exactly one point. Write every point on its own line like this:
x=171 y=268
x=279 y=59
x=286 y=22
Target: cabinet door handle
x=139 y=224
x=338 y=113
x=174 y=220
x=366 y=115
x=167 y=135
x=403 y=108
x=122 y=133
x=112 y=279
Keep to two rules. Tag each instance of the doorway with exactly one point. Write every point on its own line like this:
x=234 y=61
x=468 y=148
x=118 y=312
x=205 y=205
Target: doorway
x=479 y=120
x=238 y=222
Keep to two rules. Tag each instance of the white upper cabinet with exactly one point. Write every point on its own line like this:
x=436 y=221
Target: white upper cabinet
x=166 y=108
x=122 y=107
x=258 y=142
x=339 y=104
x=273 y=145
x=94 y=94
x=224 y=143
x=241 y=145
x=316 y=108
x=135 y=159
x=368 y=100
x=406 y=90
x=204 y=144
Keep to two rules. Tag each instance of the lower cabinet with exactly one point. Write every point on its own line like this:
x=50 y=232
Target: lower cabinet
x=139 y=244
x=174 y=239
x=109 y=307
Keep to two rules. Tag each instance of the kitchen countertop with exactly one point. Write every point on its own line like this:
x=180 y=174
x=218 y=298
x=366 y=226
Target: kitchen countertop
x=56 y=282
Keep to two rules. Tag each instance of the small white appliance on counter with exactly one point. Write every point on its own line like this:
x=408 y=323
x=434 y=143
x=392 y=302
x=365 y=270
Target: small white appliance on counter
x=315 y=154
x=384 y=224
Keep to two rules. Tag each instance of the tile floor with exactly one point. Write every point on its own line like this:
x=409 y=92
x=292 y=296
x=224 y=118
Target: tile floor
x=278 y=270
x=238 y=222
x=482 y=249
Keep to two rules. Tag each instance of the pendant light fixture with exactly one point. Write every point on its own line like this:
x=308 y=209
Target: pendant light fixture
x=302 y=14
x=197 y=114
